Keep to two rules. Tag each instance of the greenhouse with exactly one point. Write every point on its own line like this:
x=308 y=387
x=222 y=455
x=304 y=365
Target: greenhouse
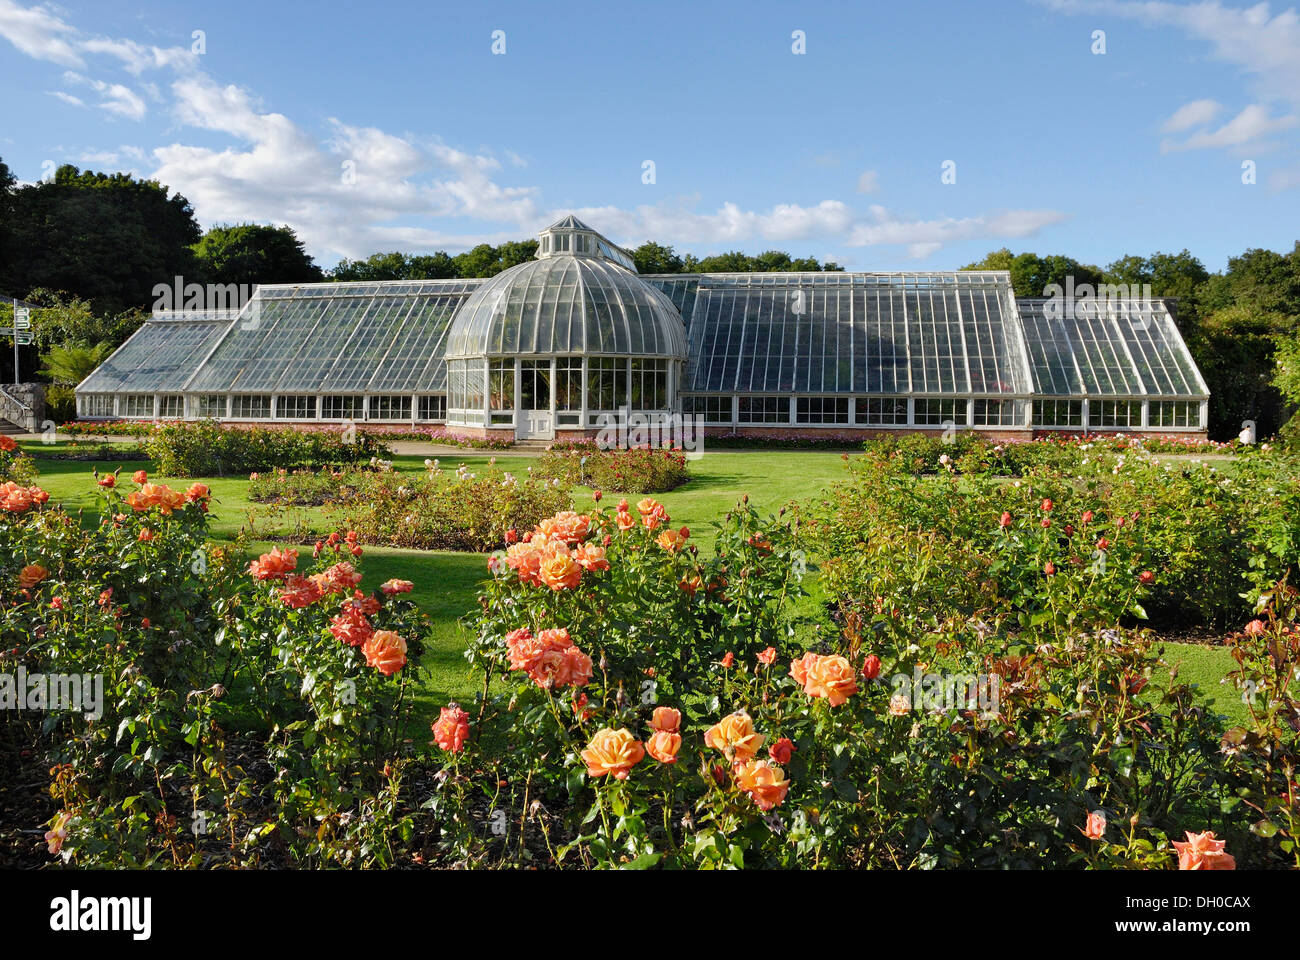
x=560 y=344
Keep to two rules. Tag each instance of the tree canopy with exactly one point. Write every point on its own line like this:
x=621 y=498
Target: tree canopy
x=105 y=237
x=250 y=253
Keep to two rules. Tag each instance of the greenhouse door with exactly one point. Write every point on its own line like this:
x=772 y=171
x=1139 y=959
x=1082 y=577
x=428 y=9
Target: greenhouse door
x=536 y=418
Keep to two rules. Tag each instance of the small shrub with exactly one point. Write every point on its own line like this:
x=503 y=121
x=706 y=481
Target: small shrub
x=207 y=449
x=636 y=470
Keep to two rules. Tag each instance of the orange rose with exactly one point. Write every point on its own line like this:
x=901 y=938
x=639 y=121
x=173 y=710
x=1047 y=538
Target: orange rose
x=667 y=719
x=385 y=651
x=663 y=746
x=351 y=626
x=767 y=657
x=589 y=556
x=566 y=526
x=690 y=583
x=625 y=520
x=16 y=499
x=197 y=491
x=140 y=477
x=672 y=540
x=526 y=561
x=799 y=669
x=647 y=506
x=299 y=591
x=612 y=752
x=340 y=578
x=559 y=571
x=734 y=735
x=390 y=587
x=1095 y=828
x=451 y=729
x=7 y=443
x=275 y=565
x=832 y=678
x=31 y=575
x=1201 y=851
x=764 y=782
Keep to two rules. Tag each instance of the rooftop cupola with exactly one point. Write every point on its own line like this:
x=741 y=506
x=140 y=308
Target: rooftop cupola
x=570 y=237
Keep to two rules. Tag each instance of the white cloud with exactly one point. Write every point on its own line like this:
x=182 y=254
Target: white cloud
x=39 y=34
x=1195 y=114
x=67 y=98
x=338 y=192
x=1248 y=127
x=868 y=182
x=115 y=98
x=1251 y=38
x=729 y=224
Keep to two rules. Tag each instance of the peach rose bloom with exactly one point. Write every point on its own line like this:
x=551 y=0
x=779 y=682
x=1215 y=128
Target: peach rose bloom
x=832 y=678
x=671 y=540
x=526 y=561
x=31 y=575
x=390 y=587
x=559 y=571
x=567 y=526
x=767 y=657
x=764 y=782
x=799 y=669
x=451 y=729
x=647 y=506
x=734 y=735
x=612 y=753
x=589 y=556
x=351 y=626
x=663 y=746
x=1201 y=851
x=275 y=565
x=625 y=520
x=197 y=491
x=1095 y=828
x=385 y=651
x=666 y=718
x=899 y=705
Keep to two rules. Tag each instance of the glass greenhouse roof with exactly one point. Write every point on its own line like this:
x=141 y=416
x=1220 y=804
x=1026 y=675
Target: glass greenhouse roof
x=567 y=305
x=937 y=333
x=336 y=338
x=161 y=355
x=1126 y=348
x=932 y=334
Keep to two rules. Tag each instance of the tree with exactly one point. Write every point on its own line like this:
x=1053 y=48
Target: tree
x=250 y=253
x=1178 y=275
x=60 y=318
x=1031 y=275
x=70 y=363
x=104 y=238
x=1286 y=378
x=1234 y=350
x=433 y=266
x=653 y=257
x=7 y=183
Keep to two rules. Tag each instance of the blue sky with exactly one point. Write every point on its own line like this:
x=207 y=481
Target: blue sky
x=395 y=126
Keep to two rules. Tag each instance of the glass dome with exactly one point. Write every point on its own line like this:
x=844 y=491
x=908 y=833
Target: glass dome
x=567 y=303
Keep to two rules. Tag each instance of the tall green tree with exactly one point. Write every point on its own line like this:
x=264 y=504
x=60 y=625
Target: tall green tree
x=250 y=253
x=653 y=257
x=106 y=238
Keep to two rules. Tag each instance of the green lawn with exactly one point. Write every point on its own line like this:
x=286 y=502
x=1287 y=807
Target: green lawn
x=445 y=582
